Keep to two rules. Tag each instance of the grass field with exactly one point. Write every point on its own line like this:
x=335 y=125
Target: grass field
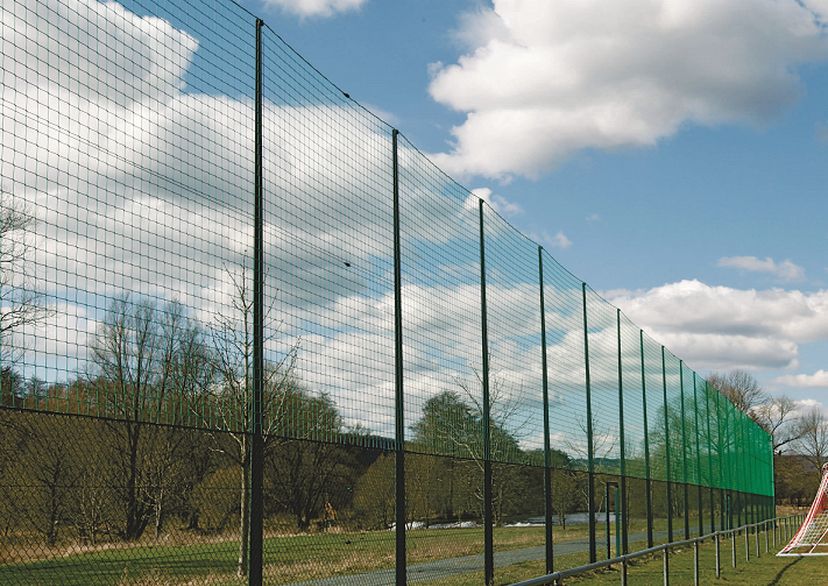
x=765 y=570
x=287 y=558
x=306 y=557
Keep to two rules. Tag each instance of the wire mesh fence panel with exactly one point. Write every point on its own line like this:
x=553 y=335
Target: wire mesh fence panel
x=129 y=183
x=677 y=439
x=633 y=400
x=443 y=373
x=440 y=231
x=328 y=283
x=519 y=533
x=328 y=509
x=513 y=316
x=247 y=328
x=119 y=503
x=566 y=365
x=602 y=330
x=516 y=407
x=444 y=539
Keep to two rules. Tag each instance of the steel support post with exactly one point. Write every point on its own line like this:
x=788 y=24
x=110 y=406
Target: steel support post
x=399 y=396
x=256 y=526
x=718 y=543
x=593 y=553
x=488 y=535
x=647 y=474
x=699 y=490
x=685 y=486
x=607 y=518
x=667 y=447
x=621 y=436
x=696 y=563
x=547 y=448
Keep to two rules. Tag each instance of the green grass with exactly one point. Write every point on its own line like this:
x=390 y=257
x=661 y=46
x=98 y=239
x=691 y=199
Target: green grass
x=292 y=558
x=767 y=569
x=287 y=558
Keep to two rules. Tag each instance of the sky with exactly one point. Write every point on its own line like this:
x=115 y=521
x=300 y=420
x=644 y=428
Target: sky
x=667 y=153
x=670 y=153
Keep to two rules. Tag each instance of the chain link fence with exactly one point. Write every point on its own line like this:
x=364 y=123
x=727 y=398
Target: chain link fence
x=250 y=333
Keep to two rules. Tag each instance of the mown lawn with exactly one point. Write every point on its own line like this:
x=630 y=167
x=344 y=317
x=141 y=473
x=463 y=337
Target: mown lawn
x=287 y=558
x=765 y=570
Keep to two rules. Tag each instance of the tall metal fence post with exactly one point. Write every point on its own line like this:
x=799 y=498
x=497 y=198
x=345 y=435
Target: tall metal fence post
x=488 y=535
x=256 y=556
x=699 y=490
x=718 y=543
x=665 y=561
x=647 y=473
x=593 y=553
x=667 y=447
x=622 y=446
x=719 y=482
x=696 y=563
x=547 y=448
x=607 y=519
x=399 y=396
x=685 y=485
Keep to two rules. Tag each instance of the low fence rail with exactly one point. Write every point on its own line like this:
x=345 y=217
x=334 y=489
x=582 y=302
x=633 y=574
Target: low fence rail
x=772 y=529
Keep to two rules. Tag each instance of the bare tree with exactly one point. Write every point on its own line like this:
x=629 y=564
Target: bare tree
x=232 y=338
x=813 y=443
x=778 y=416
x=741 y=388
x=22 y=305
x=148 y=363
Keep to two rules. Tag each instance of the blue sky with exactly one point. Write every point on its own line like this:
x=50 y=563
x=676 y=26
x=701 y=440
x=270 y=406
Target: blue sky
x=669 y=153
x=716 y=211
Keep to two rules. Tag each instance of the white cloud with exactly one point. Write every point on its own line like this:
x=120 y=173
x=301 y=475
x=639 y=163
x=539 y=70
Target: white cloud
x=315 y=8
x=151 y=196
x=817 y=380
x=542 y=80
x=497 y=202
x=785 y=270
x=559 y=240
x=592 y=218
x=723 y=327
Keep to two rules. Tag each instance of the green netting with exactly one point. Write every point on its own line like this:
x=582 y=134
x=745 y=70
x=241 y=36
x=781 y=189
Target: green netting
x=602 y=329
x=566 y=365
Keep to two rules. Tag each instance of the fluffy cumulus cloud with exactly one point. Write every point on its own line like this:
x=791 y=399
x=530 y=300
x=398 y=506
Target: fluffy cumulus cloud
x=785 y=270
x=559 y=240
x=722 y=327
x=315 y=8
x=142 y=185
x=542 y=80
x=809 y=381
x=497 y=202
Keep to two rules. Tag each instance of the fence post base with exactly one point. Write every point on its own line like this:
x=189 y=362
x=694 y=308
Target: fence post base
x=695 y=563
x=718 y=556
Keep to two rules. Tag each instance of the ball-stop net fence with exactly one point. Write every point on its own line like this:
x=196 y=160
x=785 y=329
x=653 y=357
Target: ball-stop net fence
x=248 y=330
